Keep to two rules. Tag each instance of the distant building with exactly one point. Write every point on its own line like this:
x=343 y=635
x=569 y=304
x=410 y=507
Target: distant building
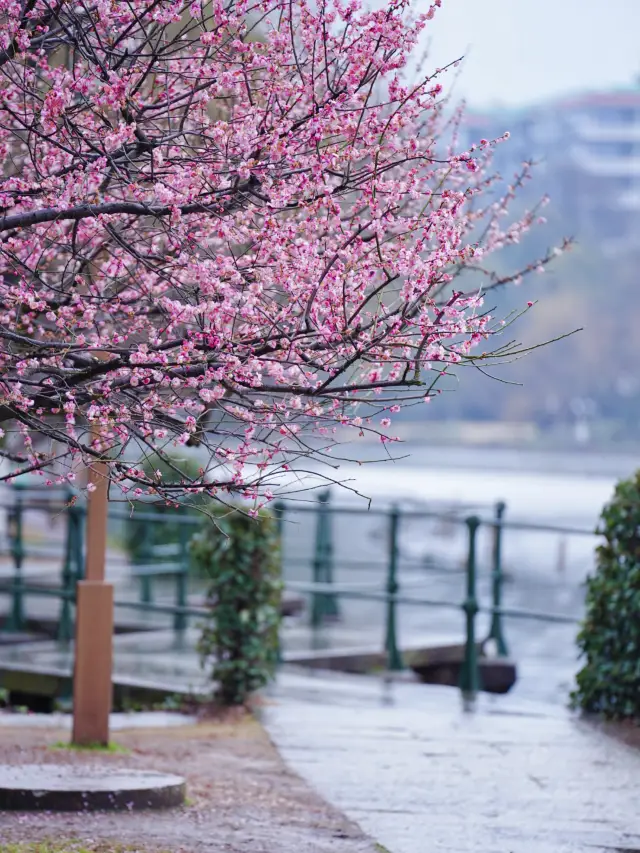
x=589 y=148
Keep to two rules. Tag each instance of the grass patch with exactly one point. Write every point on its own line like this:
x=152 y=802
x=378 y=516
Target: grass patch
x=70 y=846
x=44 y=847
x=110 y=749
x=380 y=848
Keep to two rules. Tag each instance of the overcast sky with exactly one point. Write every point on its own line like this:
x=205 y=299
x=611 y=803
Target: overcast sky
x=519 y=51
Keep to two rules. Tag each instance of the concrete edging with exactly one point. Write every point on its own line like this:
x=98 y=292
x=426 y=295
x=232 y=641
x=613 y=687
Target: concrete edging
x=68 y=788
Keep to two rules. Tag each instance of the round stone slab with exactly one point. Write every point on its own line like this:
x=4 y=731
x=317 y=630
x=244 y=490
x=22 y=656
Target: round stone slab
x=69 y=788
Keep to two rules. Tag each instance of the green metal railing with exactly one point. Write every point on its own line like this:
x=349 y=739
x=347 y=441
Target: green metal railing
x=391 y=594
x=63 y=503
x=394 y=657
x=171 y=563
x=496 y=633
x=392 y=598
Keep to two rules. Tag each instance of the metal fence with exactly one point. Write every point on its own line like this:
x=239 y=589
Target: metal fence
x=65 y=514
x=328 y=560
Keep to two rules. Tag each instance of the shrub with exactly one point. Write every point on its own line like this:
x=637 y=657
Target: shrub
x=609 y=640
x=239 y=641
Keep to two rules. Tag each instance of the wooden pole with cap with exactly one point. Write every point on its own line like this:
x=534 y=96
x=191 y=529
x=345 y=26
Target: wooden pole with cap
x=92 y=678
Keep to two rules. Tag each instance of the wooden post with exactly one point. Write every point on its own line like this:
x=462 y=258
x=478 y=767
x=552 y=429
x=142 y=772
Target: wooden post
x=92 y=688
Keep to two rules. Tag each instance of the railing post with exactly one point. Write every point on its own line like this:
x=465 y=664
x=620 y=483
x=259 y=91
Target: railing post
x=16 y=618
x=330 y=608
x=68 y=579
x=394 y=657
x=496 y=632
x=78 y=516
x=279 y=509
x=182 y=578
x=146 y=531
x=470 y=677
x=316 y=571
x=323 y=604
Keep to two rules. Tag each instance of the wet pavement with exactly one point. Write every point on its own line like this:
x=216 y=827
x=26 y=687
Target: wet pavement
x=422 y=773
x=117 y=721
x=170 y=660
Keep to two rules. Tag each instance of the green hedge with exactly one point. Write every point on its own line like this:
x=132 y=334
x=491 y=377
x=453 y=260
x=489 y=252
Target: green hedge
x=240 y=559
x=609 y=640
x=239 y=641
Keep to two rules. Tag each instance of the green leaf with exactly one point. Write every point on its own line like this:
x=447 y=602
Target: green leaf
x=609 y=638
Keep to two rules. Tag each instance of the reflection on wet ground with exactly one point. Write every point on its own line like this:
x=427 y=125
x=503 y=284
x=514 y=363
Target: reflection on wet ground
x=422 y=772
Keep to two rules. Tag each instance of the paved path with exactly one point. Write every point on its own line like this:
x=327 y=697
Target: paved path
x=421 y=774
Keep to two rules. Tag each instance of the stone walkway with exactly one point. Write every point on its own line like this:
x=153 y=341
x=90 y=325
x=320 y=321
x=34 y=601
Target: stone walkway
x=421 y=774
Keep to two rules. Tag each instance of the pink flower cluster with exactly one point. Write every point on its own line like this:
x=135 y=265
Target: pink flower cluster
x=228 y=225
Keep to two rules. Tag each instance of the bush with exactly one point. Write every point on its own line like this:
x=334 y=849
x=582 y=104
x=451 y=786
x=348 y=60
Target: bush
x=241 y=557
x=609 y=640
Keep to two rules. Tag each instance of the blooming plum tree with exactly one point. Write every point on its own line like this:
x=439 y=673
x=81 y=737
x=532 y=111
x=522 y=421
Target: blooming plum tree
x=234 y=224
